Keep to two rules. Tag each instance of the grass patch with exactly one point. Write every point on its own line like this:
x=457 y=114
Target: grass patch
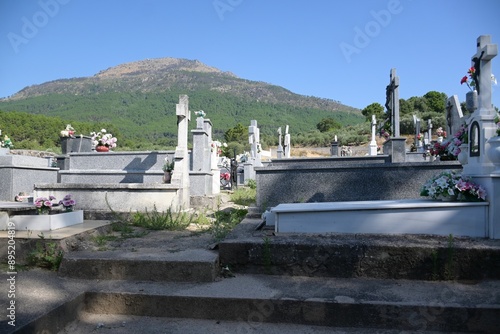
x=47 y=254
x=225 y=221
x=244 y=196
x=165 y=220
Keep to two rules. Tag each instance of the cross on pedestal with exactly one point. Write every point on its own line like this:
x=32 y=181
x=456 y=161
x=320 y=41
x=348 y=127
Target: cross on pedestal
x=481 y=124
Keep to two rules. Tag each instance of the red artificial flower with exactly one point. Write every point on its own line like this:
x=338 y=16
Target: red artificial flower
x=464 y=80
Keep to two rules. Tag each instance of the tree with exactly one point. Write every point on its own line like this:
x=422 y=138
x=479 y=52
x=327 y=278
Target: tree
x=374 y=109
x=436 y=101
x=328 y=124
x=238 y=134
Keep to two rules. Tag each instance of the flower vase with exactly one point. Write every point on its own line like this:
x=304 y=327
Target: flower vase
x=471 y=100
x=448 y=198
x=440 y=139
x=167 y=177
x=102 y=148
x=463 y=156
x=493 y=152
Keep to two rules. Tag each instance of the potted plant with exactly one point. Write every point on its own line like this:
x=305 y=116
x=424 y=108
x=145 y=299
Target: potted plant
x=451 y=186
x=103 y=141
x=167 y=168
x=44 y=204
x=68 y=203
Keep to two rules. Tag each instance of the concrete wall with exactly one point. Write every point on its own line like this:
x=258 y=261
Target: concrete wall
x=19 y=173
x=343 y=179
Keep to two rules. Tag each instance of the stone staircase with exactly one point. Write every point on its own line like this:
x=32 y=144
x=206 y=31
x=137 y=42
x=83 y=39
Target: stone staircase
x=287 y=284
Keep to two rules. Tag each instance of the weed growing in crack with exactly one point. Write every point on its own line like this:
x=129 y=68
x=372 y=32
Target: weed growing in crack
x=225 y=221
x=47 y=254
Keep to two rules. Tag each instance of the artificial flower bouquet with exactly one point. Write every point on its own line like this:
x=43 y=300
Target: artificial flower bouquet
x=451 y=185
x=102 y=138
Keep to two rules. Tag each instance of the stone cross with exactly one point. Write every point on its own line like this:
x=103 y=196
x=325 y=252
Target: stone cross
x=180 y=176
x=373 y=142
x=482 y=77
x=392 y=102
x=279 y=152
x=454 y=115
x=481 y=125
x=286 y=143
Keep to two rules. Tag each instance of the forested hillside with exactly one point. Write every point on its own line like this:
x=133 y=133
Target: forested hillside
x=138 y=100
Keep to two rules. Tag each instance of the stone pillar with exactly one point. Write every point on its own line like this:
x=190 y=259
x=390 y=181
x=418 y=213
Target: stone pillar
x=395 y=148
x=180 y=176
x=334 y=148
x=201 y=147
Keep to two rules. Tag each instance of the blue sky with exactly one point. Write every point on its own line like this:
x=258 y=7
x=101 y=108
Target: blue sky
x=341 y=50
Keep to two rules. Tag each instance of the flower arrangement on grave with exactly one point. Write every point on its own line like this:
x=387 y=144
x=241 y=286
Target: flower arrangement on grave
x=102 y=138
x=450 y=148
x=6 y=142
x=168 y=166
x=69 y=131
x=218 y=147
x=440 y=132
x=200 y=113
x=225 y=176
x=44 y=204
x=67 y=202
x=451 y=185
x=383 y=133
x=469 y=79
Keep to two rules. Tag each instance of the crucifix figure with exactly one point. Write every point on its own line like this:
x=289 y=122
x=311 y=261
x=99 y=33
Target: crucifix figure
x=392 y=102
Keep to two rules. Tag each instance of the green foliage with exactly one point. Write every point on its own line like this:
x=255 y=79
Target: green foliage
x=244 y=195
x=328 y=124
x=252 y=184
x=225 y=221
x=374 y=109
x=47 y=254
x=238 y=133
x=142 y=116
x=168 y=220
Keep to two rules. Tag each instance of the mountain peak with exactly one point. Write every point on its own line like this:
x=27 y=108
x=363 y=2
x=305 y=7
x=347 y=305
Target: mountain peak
x=157 y=65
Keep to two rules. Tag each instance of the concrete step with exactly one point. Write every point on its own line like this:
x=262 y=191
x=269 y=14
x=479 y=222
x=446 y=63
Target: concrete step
x=192 y=265
x=419 y=257
x=260 y=300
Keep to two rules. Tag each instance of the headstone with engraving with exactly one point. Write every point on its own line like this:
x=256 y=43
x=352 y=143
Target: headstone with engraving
x=429 y=132
x=254 y=140
x=454 y=115
x=373 y=142
x=286 y=143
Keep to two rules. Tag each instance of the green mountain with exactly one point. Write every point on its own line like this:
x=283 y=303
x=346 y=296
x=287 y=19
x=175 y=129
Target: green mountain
x=138 y=99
